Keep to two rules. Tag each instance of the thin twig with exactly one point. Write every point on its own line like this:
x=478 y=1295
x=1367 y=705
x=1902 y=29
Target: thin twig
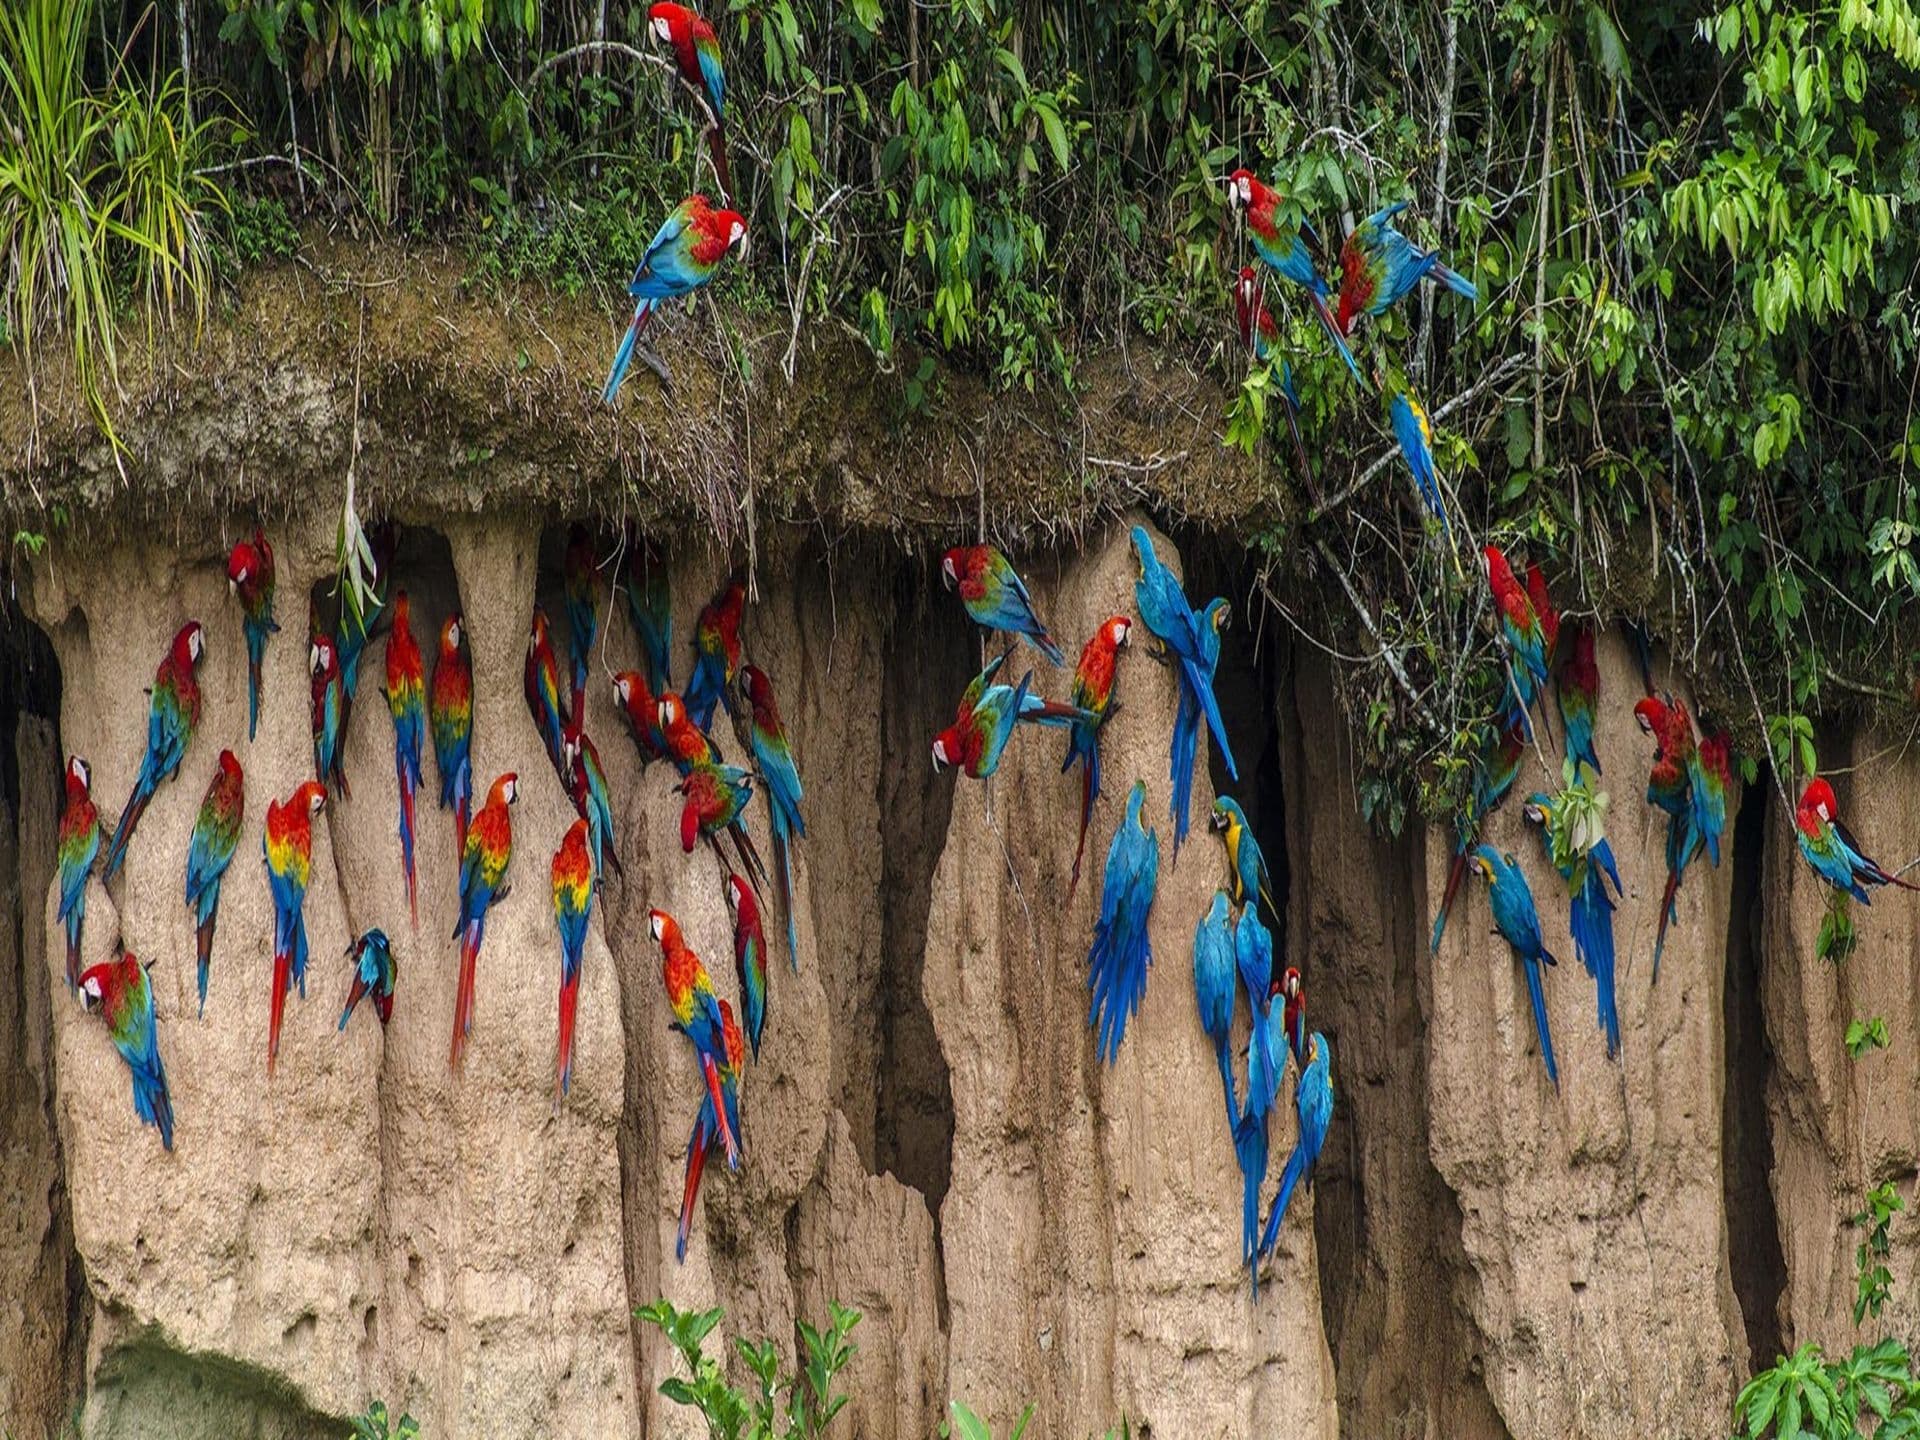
x=1387 y=652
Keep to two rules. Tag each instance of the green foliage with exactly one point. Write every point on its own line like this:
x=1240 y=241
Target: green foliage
x=1865 y=1035
x=1836 y=939
x=757 y=1414
x=1804 y=1397
x=1578 y=819
x=372 y=1424
x=965 y=1425
x=1873 y=1280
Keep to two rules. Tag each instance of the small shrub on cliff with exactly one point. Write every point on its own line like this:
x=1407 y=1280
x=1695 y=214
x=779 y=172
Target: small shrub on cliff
x=373 y=1424
x=735 y=1414
x=1805 y=1395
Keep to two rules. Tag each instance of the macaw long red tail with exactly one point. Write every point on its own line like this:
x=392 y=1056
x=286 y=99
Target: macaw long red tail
x=1454 y=875
x=406 y=835
x=354 y=992
x=717 y=147
x=129 y=820
x=717 y=1097
x=690 y=1190
x=569 y=1000
x=282 y=982
x=463 y=997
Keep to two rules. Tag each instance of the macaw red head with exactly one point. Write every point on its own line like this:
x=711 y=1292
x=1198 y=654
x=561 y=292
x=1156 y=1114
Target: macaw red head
x=1651 y=715
x=79 y=776
x=310 y=796
x=1289 y=984
x=665 y=929
x=450 y=634
x=951 y=564
x=759 y=690
x=663 y=19
x=1499 y=572
x=1120 y=632
x=946 y=748
x=669 y=712
x=504 y=790
x=1818 y=799
x=96 y=983
x=740 y=897
x=242 y=565
x=229 y=765
x=189 y=644
x=1243 y=190
x=537 y=635
x=400 y=618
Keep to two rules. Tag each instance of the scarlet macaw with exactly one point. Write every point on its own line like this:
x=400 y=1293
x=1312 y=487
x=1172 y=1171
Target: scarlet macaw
x=450 y=706
x=329 y=713
x=573 y=875
x=1121 y=952
x=698 y=1014
x=687 y=744
x=1247 y=878
x=483 y=876
x=120 y=990
x=1313 y=1106
x=1519 y=925
x=683 y=255
x=642 y=709
x=1689 y=781
x=1579 y=690
x=216 y=835
x=767 y=739
x=586 y=782
x=1213 y=972
x=541 y=680
x=696 y=53
x=1494 y=769
x=287 y=845
x=1378 y=265
x=995 y=596
x=707 y=1131
x=1283 y=252
x=1295 y=1015
x=1261 y=336
x=173 y=710
x=374 y=973
x=1092 y=694
x=749 y=957
x=1590 y=914
x=583 y=613
x=79 y=847
x=1833 y=853
x=407 y=703
x=716 y=653
x=251 y=579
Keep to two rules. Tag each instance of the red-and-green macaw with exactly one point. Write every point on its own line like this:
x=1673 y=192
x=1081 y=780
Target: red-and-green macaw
x=544 y=701
x=687 y=744
x=650 y=608
x=984 y=720
x=251 y=579
x=696 y=1015
x=715 y=797
x=642 y=709
x=1213 y=982
x=1121 y=951
x=1579 y=690
x=1494 y=769
x=173 y=710
x=1281 y=249
x=1836 y=857
x=683 y=255
x=1589 y=913
x=995 y=596
x=1689 y=781
x=1543 y=607
x=707 y=1131
x=716 y=653
x=407 y=703
x=767 y=739
x=78 y=848
x=483 y=878
x=1092 y=694
x=1520 y=626
x=696 y=54
x=1260 y=336
x=586 y=781
x=749 y=957
x=1247 y=877
x=1518 y=922
x=374 y=973
x=120 y=990
x=450 y=711
x=216 y=835
x=329 y=712
x=1313 y=1107
x=1378 y=265
x=1294 y=1017
x=583 y=612
x=574 y=872
x=287 y=845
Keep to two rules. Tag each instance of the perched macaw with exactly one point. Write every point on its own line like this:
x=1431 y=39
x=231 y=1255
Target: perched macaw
x=586 y=781
x=1590 y=914
x=642 y=709
x=483 y=875
x=545 y=703
x=767 y=739
x=1579 y=689
x=696 y=53
x=716 y=797
x=1494 y=769
x=583 y=613
x=1195 y=697
x=1691 y=789
x=1121 y=952
x=1519 y=925
x=716 y=653
x=574 y=873
x=173 y=710
x=707 y=1131
x=1834 y=854
x=250 y=577
x=1253 y=957
x=1378 y=265
x=650 y=607
x=686 y=743
x=374 y=972
x=1250 y=1133
x=1285 y=253
x=996 y=597
x=407 y=702
x=1261 y=336
x=1520 y=627
x=682 y=256
x=450 y=706
x=1415 y=433
x=749 y=957
x=1313 y=1106
x=1092 y=694
x=1213 y=972
x=1247 y=877
x=1191 y=637
x=1549 y=617
x=698 y=1015
x=1294 y=1018
x=983 y=721
x=329 y=713
x=287 y=845
x=123 y=994
x=1708 y=778
x=79 y=847
x=216 y=835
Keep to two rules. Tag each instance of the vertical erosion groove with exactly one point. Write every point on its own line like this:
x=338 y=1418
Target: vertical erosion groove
x=1753 y=1225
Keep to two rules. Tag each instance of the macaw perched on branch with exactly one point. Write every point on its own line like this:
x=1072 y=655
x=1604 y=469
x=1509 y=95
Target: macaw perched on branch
x=1579 y=690
x=1282 y=250
x=1092 y=694
x=638 y=703
x=716 y=653
x=328 y=687
x=996 y=597
x=683 y=255
x=749 y=957
x=1122 y=950
x=450 y=707
x=1247 y=878
x=1518 y=922
x=1213 y=980
x=1494 y=770
x=586 y=782
x=696 y=53
x=583 y=612
x=216 y=835
x=173 y=710
x=1378 y=265
x=541 y=681
x=1590 y=913
x=1313 y=1107
x=1689 y=781
x=1193 y=638
x=650 y=608
x=79 y=847
x=1415 y=433
x=1260 y=336
x=483 y=880
x=287 y=845
x=1834 y=854
x=374 y=973
x=123 y=994
x=1521 y=628
x=407 y=703
x=251 y=579
x=707 y=1131
x=573 y=873
x=698 y=1015
x=766 y=738
x=984 y=720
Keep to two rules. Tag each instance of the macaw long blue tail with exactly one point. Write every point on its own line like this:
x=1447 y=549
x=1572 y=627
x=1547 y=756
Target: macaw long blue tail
x=623 y=357
x=1226 y=1081
x=1250 y=1146
x=1289 y=1178
x=1332 y=328
x=1536 y=992
x=1455 y=281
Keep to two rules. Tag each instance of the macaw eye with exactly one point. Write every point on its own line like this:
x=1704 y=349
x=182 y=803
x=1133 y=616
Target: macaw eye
x=736 y=234
x=620 y=688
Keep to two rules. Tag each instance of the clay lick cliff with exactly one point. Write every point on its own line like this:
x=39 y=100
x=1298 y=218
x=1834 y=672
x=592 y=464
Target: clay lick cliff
x=930 y=1137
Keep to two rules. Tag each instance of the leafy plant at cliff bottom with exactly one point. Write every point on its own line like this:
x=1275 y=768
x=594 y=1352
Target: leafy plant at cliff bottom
x=373 y=1424
x=965 y=1425
x=735 y=1414
x=1804 y=1396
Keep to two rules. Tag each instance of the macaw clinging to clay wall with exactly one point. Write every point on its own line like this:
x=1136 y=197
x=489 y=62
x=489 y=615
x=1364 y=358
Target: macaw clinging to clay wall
x=216 y=835
x=697 y=1014
x=1526 y=640
x=1247 y=880
x=1589 y=914
x=766 y=738
x=1092 y=693
x=450 y=707
x=707 y=1129
x=173 y=710
x=121 y=991
x=483 y=878
x=1121 y=952
x=1213 y=991
x=545 y=702
x=1494 y=769
x=716 y=653
x=1579 y=690
x=287 y=845
x=573 y=876
x=996 y=597
x=250 y=576
x=1518 y=922
x=329 y=693
x=407 y=703
x=79 y=847
x=374 y=974
x=749 y=957
x=1313 y=1106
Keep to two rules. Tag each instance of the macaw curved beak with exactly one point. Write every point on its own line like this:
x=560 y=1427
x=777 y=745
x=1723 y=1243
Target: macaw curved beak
x=1219 y=820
